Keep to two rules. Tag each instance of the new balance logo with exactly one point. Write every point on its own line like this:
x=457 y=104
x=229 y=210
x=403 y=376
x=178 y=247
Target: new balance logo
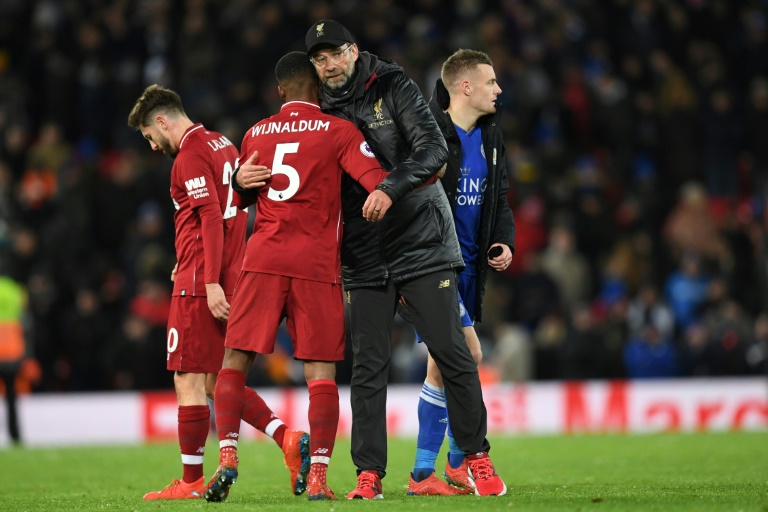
x=233 y=434
x=443 y=420
x=201 y=449
x=195 y=183
x=321 y=450
x=444 y=284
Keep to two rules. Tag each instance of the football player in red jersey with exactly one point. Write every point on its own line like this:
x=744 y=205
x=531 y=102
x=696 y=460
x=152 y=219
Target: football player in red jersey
x=292 y=266
x=210 y=245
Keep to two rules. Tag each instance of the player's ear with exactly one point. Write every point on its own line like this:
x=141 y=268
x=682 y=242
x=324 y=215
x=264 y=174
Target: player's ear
x=161 y=122
x=281 y=92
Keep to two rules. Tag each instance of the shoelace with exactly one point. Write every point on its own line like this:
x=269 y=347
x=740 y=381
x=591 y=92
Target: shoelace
x=482 y=468
x=175 y=482
x=367 y=480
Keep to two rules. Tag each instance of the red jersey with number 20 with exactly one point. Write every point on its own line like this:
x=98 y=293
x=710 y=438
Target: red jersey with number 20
x=201 y=175
x=298 y=212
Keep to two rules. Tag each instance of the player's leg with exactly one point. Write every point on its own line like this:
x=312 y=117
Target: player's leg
x=433 y=419
x=371 y=315
x=190 y=356
x=429 y=298
x=323 y=424
x=316 y=325
x=259 y=300
x=228 y=404
x=456 y=466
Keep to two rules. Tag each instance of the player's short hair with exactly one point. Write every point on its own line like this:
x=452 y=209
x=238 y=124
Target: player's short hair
x=456 y=67
x=294 y=67
x=154 y=100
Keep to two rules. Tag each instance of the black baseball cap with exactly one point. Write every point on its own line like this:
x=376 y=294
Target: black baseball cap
x=328 y=33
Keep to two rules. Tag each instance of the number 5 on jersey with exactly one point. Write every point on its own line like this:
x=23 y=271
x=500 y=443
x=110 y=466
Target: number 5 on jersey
x=278 y=167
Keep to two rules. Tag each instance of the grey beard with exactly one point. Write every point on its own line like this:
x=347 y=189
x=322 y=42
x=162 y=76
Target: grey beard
x=338 y=86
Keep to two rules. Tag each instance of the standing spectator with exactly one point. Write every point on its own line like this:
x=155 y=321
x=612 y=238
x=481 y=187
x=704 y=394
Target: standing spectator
x=413 y=254
x=566 y=266
x=204 y=279
x=465 y=108
x=291 y=273
x=685 y=291
x=648 y=308
x=651 y=355
x=13 y=348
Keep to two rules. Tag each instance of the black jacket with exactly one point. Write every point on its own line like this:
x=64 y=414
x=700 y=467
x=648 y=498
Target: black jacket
x=497 y=225
x=417 y=235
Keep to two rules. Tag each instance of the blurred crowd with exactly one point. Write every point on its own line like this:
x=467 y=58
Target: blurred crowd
x=636 y=144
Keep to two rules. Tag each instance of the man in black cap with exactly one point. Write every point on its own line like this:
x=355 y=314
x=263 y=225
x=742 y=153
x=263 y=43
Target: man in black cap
x=413 y=253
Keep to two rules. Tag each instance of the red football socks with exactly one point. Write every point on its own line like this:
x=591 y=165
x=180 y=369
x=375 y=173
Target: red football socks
x=194 y=421
x=323 y=419
x=228 y=403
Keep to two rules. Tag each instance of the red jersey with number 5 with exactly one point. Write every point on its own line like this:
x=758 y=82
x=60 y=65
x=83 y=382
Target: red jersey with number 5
x=298 y=212
x=201 y=175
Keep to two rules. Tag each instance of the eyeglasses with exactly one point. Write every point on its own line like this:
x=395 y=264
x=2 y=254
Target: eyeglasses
x=336 y=56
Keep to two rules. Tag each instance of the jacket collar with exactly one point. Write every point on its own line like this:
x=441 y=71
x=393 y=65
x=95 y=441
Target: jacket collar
x=368 y=69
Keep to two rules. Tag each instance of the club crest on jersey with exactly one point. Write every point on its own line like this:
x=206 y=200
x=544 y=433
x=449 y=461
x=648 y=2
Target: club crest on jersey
x=378 y=115
x=482 y=151
x=366 y=149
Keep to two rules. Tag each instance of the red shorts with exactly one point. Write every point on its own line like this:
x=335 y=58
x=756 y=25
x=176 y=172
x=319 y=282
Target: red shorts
x=195 y=341
x=315 y=313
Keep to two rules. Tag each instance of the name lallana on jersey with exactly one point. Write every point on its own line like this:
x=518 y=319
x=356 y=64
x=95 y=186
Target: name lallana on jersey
x=220 y=143
x=303 y=125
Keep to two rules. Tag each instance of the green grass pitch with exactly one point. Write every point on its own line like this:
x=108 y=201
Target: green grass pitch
x=655 y=472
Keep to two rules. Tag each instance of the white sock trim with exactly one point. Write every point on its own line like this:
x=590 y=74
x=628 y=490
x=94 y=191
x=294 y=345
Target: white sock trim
x=318 y=459
x=272 y=427
x=433 y=401
x=191 y=460
x=227 y=443
x=434 y=389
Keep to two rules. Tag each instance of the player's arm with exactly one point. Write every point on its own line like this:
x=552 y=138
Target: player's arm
x=205 y=203
x=358 y=161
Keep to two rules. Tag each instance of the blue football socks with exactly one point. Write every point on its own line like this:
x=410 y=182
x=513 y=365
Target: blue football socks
x=433 y=419
x=455 y=455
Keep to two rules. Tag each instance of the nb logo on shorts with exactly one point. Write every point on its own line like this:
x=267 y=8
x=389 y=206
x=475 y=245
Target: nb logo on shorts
x=444 y=284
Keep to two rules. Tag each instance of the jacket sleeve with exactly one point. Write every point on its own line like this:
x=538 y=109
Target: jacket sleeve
x=419 y=129
x=504 y=230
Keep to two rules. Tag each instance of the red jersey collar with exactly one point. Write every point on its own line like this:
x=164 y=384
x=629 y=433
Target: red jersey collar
x=189 y=130
x=301 y=103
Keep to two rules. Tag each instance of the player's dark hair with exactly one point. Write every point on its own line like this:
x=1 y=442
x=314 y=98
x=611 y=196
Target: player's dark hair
x=461 y=62
x=294 y=67
x=154 y=100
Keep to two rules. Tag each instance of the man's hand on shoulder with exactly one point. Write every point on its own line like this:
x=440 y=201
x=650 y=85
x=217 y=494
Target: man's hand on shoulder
x=250 y=175
x=217 y=301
